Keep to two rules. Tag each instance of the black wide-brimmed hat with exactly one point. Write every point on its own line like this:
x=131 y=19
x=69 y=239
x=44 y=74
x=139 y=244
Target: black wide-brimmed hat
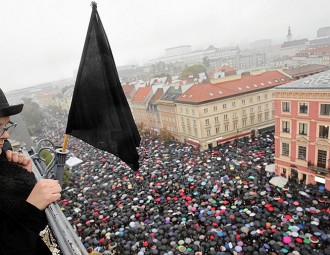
x=6 y=109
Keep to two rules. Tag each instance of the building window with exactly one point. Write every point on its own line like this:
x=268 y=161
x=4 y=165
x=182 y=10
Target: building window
x=252 y=120
x=188 y=121
x=259 y=108
x=243 y=101
x=217 y=130
x=285 y=106
x=194 y=122
x=235 y=125
x=266 y=96
x=186 y=111
x=303 y=129
x=243 y=112
x=302 y=152
x=244 y=122
x=258 y=98
x=224 y=106
x=216 y=119
x=208 y=132
x=189 y=130
x=251 y=100
x=195 y=131
x=266 y=116
x=259 y=118
x=303 y=108
x=206 y=110
x=234 y=115
x=325 y=109
x=207 y=122
x=226 y=127
x=233 y=104
x=285 y=126
x=192 y=111
x=225 y=117
x=251 y=110
x=321 y=158
x=324 y=132
x=285 y=149
x=215 y=108
x=266 y=106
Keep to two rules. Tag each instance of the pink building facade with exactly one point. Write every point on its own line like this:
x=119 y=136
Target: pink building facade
x=302 y=138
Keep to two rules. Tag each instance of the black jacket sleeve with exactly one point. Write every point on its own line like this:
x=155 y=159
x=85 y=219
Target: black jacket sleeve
x=20 y=221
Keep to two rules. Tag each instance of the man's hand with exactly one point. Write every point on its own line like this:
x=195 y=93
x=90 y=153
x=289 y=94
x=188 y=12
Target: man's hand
x=44 y=192
x=19 y=159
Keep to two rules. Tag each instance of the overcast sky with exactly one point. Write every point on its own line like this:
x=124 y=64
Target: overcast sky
x=42 y=40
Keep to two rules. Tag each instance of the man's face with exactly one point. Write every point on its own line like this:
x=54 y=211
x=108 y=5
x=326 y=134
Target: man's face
x=5 y=135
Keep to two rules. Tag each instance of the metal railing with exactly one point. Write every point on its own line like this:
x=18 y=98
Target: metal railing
x=318 y=169
x=68 y=242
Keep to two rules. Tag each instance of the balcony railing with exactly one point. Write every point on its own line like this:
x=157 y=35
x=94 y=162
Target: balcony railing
x=319 y=170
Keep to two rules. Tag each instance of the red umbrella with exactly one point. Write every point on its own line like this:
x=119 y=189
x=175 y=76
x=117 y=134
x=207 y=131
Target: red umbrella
x=289 y=217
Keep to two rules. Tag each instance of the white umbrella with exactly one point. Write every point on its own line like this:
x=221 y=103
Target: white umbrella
x=270 y=168
x=278 y=181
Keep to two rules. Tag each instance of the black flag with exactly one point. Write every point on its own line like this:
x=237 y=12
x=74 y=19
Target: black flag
x=99 y=112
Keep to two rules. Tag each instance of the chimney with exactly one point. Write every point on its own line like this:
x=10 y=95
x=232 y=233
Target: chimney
x=244 y=74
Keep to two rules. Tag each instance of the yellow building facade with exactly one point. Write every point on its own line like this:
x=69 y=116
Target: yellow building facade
x=209 y=114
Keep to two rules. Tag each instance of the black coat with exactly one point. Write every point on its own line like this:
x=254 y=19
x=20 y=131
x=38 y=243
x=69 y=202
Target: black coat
x=20 y=222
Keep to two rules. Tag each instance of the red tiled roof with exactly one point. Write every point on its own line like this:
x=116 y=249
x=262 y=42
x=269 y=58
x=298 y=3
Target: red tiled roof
x=158 y=94
x=318 y=51
x=209 y=92
x=225 y=68
x=128 y=89
x=141 y=94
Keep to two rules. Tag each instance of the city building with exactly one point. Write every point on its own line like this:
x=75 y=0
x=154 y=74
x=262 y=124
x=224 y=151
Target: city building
x=154 y=119
x=302 y=120
x=313 y=55
x=139 y=105
x=291 y=48
x=304 y=71
x=323 y=32
x=167 y=110
x=209 y=114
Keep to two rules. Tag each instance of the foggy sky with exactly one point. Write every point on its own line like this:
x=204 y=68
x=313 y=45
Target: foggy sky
x=42 y=40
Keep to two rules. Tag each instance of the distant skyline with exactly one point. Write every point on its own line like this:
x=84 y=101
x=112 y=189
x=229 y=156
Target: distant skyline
x=42 y=41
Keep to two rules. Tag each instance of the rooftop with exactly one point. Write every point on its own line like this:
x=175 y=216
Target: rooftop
x=306 y=70
x=316 y=81
x=249 y=83
x=141 y=94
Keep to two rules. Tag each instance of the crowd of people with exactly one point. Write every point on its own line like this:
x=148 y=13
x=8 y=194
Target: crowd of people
x=186 y=201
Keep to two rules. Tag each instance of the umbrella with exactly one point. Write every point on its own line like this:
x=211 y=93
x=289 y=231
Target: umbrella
x=278 y=181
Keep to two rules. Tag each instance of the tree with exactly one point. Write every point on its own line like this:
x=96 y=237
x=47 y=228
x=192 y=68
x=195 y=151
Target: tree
x=165 y=135
x=193 y=70
x=33 y=116
x=141 y=127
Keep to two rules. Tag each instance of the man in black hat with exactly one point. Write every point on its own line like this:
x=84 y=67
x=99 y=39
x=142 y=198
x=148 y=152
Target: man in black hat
x=22 y=199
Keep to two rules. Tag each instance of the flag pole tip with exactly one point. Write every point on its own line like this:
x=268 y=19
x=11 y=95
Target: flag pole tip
x=94 y=5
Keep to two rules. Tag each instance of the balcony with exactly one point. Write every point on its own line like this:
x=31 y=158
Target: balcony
x=319 y=170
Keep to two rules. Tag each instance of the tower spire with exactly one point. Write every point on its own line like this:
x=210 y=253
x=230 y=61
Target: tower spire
x=289 y=36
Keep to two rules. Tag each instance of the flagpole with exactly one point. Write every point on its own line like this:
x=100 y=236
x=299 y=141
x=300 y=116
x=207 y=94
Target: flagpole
x=65 y=142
